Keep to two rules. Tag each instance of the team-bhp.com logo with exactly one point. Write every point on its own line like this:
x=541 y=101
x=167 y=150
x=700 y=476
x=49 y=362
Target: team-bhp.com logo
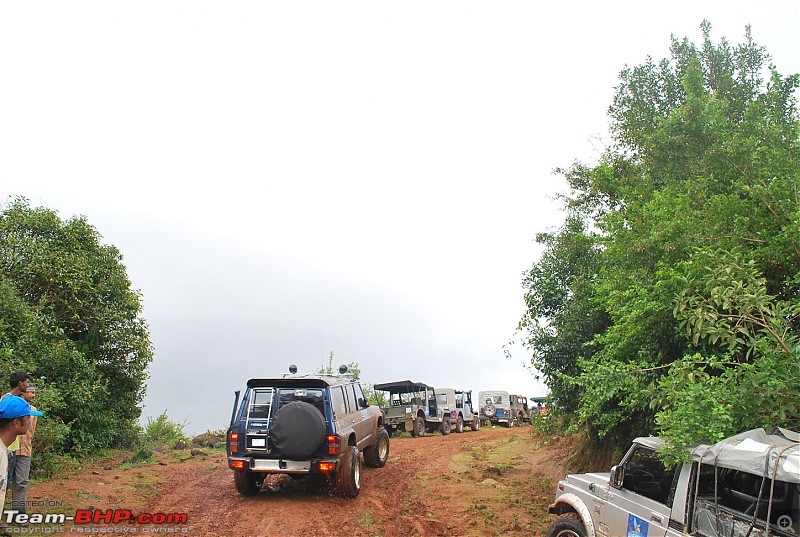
x=97 y=516
x=120 y=516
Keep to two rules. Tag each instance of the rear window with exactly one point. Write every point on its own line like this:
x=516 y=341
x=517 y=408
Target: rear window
x=312 y=396
x=260 y=402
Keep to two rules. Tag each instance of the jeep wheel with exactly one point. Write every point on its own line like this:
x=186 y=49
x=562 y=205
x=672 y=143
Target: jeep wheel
x=298 y=430
x=490 y=410
x=247 y=483
x=476 y=424
x=445 y=427
x=460 y=425
x=567 y=525
x=376 y=455
x=348 y=476
x=419 y=427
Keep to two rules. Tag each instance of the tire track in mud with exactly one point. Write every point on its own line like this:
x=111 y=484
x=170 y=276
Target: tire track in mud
x=387 y=505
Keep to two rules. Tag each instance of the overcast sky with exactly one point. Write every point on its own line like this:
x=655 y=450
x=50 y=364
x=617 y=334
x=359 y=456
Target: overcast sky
x=287 y=179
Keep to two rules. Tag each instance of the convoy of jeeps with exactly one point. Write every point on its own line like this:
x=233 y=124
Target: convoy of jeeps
x=322 y=426
x=417 y=408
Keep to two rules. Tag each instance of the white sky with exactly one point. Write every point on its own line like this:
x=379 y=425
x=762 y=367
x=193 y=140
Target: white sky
x=287 y=179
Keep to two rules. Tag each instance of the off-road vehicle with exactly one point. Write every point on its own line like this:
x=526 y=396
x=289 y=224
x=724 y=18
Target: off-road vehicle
x=496 y=408
x=305 y=425
x=519 y=409
x=538 y=406
x=747 y=485
x=413 y=407
x=458 y=404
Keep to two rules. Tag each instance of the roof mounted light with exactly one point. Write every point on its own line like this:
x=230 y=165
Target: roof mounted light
x=292 y=369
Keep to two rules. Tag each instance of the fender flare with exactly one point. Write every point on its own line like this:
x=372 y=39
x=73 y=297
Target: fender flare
x=577 y=504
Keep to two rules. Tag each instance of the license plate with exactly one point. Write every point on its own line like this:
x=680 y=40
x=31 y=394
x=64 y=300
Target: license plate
x=259 y=442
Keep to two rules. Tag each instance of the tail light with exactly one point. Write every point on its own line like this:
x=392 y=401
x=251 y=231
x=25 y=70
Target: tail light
x=453 y=415
x=236 y=465
x=234 y=442
x=333 y=444
x=326 y=467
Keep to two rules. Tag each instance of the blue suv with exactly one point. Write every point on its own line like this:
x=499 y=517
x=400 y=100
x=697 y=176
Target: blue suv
x=305 y=425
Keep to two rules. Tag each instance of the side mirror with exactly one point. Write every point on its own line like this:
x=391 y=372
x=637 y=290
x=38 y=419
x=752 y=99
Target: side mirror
x=617 y=476
x=362 y=403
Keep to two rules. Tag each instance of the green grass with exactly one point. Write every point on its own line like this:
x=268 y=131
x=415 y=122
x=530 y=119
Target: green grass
x=366 y=519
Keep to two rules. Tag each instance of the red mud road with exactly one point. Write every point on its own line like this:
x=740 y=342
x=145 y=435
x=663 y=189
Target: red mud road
x=494 y=481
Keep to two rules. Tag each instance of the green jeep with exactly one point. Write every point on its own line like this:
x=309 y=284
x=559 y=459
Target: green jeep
x=413 y=407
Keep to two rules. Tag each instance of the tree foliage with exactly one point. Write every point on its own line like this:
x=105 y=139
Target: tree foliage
x=354 y=372
x=670 y=295
x=69 y=317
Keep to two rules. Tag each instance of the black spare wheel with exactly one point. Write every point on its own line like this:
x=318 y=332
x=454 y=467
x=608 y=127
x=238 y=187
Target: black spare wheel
x=298 y=430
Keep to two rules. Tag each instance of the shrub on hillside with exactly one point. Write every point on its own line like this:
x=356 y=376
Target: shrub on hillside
x=161 y=432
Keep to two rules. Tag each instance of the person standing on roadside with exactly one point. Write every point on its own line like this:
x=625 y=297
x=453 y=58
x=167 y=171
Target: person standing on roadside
x=22 y=467
x=15 y=418
x=19 y=384
x=19 y=381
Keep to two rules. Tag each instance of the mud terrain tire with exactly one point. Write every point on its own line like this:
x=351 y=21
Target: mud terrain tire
x=419 y=427
x=567 y=525
x=376 y=455
x=298 y=430
x=247 y=483
x=445 y=427
x=348 y=476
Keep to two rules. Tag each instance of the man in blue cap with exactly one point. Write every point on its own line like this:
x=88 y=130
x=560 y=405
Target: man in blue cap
x=20 y=477
x=15 y=418
x=19 y=384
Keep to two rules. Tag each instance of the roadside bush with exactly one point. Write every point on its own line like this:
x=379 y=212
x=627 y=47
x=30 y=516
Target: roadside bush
x=49 y=465
x=161 y=432
x=143 y=456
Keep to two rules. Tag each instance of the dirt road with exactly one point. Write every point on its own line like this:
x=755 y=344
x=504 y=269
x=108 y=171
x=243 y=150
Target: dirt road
x=494 y=481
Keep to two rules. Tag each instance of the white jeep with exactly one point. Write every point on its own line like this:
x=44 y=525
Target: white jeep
x=747 y=485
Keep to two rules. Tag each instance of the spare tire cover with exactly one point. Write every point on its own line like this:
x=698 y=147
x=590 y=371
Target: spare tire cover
x=489 y=410
x=298 y=430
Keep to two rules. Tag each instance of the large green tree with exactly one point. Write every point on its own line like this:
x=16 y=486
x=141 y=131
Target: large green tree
x=69 y=317
x=685 y=267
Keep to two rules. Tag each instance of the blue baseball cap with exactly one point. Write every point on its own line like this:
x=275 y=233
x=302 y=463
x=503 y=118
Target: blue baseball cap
x=16 y=407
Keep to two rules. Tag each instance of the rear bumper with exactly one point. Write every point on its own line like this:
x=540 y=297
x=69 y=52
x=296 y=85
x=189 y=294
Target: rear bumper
x=279 y=466
x=399 y=423
x=496 y=419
